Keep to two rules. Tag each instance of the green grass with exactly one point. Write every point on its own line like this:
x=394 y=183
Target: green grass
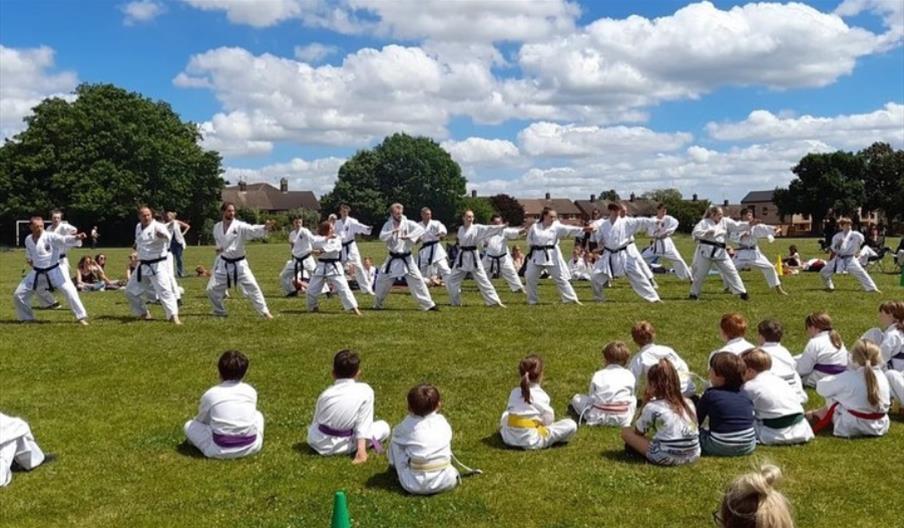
x=110 y=400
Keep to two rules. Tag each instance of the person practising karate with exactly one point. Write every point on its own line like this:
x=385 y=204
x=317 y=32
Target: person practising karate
x=347 y=228
x=329 y=270
x=400 y=234
x=432 y=258
x=543 y=239
x=302 y=262
x=470 y=236
x=613 y=237
x=748 y=254
x=498 y=259
x=663 y=247
x=711 y=234
x=46 y=300
x=231 y=266
x=43 y=249
x=845 y=256
x=153 y=273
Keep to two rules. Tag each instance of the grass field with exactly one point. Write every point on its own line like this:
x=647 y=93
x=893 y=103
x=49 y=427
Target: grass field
x=110 y=400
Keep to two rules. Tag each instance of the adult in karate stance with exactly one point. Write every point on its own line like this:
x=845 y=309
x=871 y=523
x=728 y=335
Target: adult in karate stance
x=231 y=266
x=613 y=238
x=152 y=240
x=302 y=261
x=470 y=236
x=347 y=228
x=497 y=258
x=748 y=254
x=43 y=249
x=845 y=251
x=635 y=252
x=663 y=247
x=711 y=233
x=329 y=270
x=400 y=235
x=431 y=258
x=543 y=238
x=17 y=445
x=60 y=227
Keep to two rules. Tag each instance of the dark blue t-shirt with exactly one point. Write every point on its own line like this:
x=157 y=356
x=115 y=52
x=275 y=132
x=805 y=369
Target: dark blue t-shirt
x=729 y=411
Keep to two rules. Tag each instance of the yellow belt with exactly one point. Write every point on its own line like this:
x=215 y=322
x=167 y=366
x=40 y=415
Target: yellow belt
x=520 y=422
x=421 y=464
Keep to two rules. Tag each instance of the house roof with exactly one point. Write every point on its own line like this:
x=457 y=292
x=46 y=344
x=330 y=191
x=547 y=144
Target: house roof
x=534 y=206
x=758 y=196
x=639 y=207
x=732 y=210
x=266 y=197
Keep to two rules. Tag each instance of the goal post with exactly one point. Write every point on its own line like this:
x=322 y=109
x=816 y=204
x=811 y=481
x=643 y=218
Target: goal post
x=22 y=230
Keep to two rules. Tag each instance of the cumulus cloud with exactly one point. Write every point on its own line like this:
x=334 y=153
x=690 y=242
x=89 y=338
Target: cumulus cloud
x=853 y=131
x=256 y=14
x=551 y=139
x=482 y=151
x=891 y=11
x=28 y=79
x=317 y=175
x=141 y=11
x=314 y=52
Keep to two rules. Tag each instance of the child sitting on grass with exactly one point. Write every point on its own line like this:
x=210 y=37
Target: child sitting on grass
x=825 y=354
x=769 y=336
x=732 y=329
x=779 y=414
x=650 y=353
x=611 y=399
x=529 y=421
x=730 y=411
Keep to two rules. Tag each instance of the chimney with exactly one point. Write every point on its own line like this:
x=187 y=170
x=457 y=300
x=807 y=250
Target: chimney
x=243 y=185
x=725 y=203
x=473 y=193
x=283 y=185
x=547 y=196
x=694 y=198
x=631 y=198
x=592 y=197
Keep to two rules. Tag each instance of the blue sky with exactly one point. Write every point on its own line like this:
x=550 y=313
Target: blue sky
x=529 y=96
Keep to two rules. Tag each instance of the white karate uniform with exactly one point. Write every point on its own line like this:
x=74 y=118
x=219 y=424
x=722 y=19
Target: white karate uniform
x=579 y=269
x=44 y=295
x=18 y=445
x=772 y=397
x=706 y=256
x=46 y=270
x=848 y=390
x=432 y=259
x=301 y=263
x=400 y=263
x=611 y=389
x=468 y=261
x=544 y=253
x=785 y=367
x=736 y=346
x=497 y=258
x=891 y=345
x=845 y=248
x=345 y=406
x=819 y=351
x=231 y=245
x=227 y=411
x=664 y=248
x=618 y=259
x=539 y=410
x=347 y=229
x=155 y=266
x=329 y=270
x=650 y=355
x=421 y=452
x=748 y=254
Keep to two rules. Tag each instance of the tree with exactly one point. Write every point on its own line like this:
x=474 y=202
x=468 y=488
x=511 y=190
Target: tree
x=687 y=212
x=663 y=195
x=883 y=180
x=824 y=182
x=481 y=208
x=414 y=171
x=510 y=209
x=610 y=196
x=103 y=154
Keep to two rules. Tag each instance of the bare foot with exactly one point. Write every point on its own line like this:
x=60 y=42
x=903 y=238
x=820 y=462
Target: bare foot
x=268 y=316
x=358 y=312
x=175 y=320
x=83 y=322
x=147 y=317
x=780 y=290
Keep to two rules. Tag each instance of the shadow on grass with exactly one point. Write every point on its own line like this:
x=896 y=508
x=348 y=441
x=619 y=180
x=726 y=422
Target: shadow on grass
x=386 y=481
x=495 y=441
x=303 y=449
x=120 y=318
x=319 y=312
x=23 y=323
x=186 y=449
x=623 y=457
x=896 y=417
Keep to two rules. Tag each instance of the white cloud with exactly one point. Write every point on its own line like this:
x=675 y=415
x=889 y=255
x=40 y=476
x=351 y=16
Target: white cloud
x=481 y=151
x=551 y=139
x=141 y=11
x=891 y=11
x=853 y=131
x=314 y=52
x=317 y=175
x=253 y=13
x=27 y=80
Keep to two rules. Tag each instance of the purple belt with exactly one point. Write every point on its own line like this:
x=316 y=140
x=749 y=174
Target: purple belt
x=348 y=433
x=233 y=440
x=829 y=369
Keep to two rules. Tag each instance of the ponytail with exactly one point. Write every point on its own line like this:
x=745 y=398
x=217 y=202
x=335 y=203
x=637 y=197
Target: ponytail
x=752 y=500
x=530 y=369
x=822 y=322
x=867 y=354
x=835 y=338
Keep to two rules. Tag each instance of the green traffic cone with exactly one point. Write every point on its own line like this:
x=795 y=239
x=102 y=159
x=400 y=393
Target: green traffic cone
x=340 y=512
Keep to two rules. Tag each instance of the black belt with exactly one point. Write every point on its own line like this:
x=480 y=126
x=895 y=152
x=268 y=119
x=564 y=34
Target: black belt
x=44 y=272
x=613 y=252
x=345 y=246
x=397 y=256
x=62 y=255
x=461 y=251
x=715 y=245
x=143 y=263
x=898 y=356
x=545 y=249
x=496 y=263
x=842 y=257
x=432 y=245
x=299 y=262
x=235 y=269
x=659 y=243
x=331 y=261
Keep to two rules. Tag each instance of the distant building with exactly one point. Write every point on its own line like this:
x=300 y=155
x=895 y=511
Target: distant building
x=636 y=206
x=267 y=198
x=765 y=210
x=568 y=212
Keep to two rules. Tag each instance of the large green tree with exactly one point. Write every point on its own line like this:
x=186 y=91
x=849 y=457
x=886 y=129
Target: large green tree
x=883 y=180
x=687 y=212
x=831 y=181
x=100 y=156
x=414 y=171
x=510 y=209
